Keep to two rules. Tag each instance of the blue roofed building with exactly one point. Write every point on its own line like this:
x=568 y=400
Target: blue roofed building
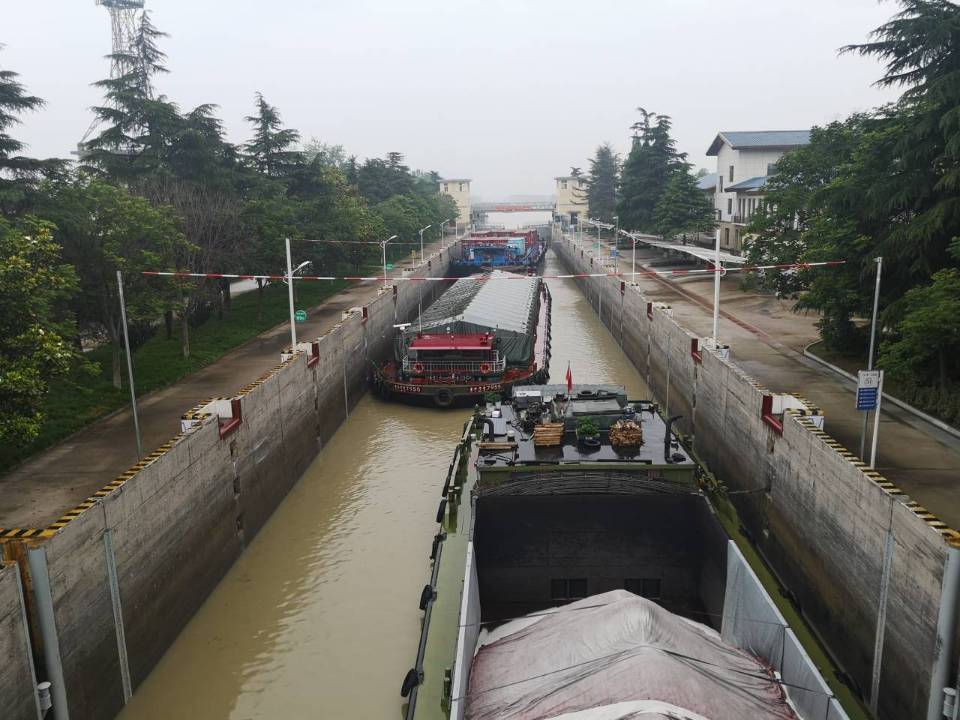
x=745 y=161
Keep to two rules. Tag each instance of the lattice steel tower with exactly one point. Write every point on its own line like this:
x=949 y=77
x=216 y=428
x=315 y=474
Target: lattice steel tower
x=124 y=20
x=124 y=16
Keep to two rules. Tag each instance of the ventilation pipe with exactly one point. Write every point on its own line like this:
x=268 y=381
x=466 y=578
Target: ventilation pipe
x=667 y=437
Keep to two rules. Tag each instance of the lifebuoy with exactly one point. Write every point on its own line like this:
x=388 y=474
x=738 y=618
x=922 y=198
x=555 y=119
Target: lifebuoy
x=484 y=368
x=418 y=367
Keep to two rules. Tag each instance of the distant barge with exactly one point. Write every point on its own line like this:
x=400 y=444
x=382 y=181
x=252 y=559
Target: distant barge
x=483 y=336
x=519 y=251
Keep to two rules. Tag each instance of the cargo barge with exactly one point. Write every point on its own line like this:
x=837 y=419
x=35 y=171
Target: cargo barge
x=582 y=571
x=511 y=251
x=484 y=335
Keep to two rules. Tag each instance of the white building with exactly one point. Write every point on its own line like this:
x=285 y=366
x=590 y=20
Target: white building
x=571 y=203
x=459 y=190
x=745 y=160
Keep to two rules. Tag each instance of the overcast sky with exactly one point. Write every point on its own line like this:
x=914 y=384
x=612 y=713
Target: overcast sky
x=509 y=93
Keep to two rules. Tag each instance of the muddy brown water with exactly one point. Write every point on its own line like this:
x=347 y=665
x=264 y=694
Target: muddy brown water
x=318 y=618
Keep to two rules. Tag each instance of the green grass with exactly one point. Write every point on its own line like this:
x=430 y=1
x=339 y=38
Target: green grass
x=78 y=401
x=944 y=406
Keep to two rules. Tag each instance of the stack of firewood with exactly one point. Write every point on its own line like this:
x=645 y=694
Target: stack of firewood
x=548 y=434
x=626 y=433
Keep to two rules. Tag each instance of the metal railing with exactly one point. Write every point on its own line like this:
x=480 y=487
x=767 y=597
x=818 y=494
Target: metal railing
x=475 y=367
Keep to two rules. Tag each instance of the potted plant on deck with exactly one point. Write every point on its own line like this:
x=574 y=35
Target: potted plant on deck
x=588 y=434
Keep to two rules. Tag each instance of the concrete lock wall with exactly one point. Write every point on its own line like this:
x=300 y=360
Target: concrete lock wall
x=130 y=566
x=18 y=700
x=814 y=511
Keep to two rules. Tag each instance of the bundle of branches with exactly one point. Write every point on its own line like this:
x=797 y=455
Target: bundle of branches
x=626 y=433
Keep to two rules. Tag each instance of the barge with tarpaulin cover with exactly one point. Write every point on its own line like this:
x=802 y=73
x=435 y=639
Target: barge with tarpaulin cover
x=484 y=335
x=508 y=250
x=587 y=568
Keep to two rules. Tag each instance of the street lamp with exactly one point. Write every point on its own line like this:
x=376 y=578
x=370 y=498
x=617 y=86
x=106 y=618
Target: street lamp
x=296 y=270
x=293 y=319
x=633 y=259
x=441 y=230
x=383 y=246
x=421 y=242
x=716 y=287
x=616 y=240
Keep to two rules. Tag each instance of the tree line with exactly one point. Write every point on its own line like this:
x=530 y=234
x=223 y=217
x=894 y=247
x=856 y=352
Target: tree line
x=160 y=187
x=883 y=183
x=880 y=183
x=653 y=190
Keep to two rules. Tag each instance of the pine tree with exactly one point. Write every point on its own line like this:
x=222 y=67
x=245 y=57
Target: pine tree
x=269 y=149
x=18 y=174
x=921 y=46
x=653 y=158
x=682 y=208
x=138 y=127
x=602 y=183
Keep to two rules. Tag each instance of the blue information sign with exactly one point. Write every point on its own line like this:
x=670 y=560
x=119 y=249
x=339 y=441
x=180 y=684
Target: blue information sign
x=868 y=389
x=866 y=399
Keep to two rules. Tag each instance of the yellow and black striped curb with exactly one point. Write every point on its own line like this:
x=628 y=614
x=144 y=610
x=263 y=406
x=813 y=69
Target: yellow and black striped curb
x=75 y=512
x=246 y=389
x=809 y=408
x=951 y=536
x=196 y=412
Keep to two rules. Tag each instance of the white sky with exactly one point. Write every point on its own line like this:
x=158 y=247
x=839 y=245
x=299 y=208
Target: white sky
x=508 y=92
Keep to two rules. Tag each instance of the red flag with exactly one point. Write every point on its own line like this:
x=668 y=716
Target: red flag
x=569 y=378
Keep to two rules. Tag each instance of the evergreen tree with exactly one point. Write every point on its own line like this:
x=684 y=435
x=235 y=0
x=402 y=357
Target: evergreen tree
x=652 y=159
x=919 y=198
x=18 y=174
x=380 y=180
x=602 y=183
x=138 y=127
x=269 y=149
x=683 y=208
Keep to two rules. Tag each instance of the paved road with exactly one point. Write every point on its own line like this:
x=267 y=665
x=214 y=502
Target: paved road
x=44 y=487
x=767 y=340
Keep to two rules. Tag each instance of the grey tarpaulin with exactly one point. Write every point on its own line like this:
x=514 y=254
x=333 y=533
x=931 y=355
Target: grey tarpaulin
x=591 y=655
x=506 y=308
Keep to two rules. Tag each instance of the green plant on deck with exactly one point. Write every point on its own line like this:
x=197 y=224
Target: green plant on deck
x=587 y=428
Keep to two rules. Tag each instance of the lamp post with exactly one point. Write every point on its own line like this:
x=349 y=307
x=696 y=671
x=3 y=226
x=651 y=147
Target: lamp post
x=716 y=288
x=873 y=335
x=441 y=231
x=296 y=270
x=616 y=242
x=293 y=319
x=633 y=259
x=383 y=246
x=422 y=260
x=126 y=345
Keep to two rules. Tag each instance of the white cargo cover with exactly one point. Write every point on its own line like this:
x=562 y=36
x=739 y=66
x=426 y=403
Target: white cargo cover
x=615 y=656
